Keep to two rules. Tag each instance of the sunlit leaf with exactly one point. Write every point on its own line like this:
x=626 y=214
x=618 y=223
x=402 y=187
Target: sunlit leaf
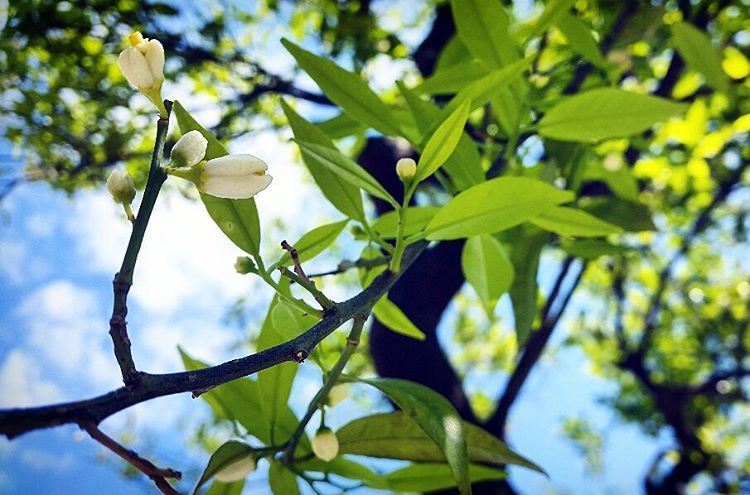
x=392 y=317
x=700 y=54
x=487 y=268
x=567 y=221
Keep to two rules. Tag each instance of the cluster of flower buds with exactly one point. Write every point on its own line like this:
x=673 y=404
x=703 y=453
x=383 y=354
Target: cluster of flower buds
x=230 y=176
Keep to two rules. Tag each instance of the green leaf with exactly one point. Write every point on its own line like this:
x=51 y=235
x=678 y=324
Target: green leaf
x=340 y=126
x=347 y=169
x=484 y=28
x=237 y=218
x=345 y=468
x=347 y=90
x=239 y=400
x=574 y=223
x=443 y=141
x=632 y=217
x=416 y=219
x=492 y=206
x=314 y=242
x=437 y=417
x=487 y=268
x=392 y=317
x=281 y=480
x=464 y=166
x=525 y=254
x=395 y=435
x=229 y=453
x=553 y=9
x=580 y=39
x=430 y=477
x=590 y=249
x=219 y=488
x=605 y=113
x=700 y=54
x=342 y=195
x=452 y=79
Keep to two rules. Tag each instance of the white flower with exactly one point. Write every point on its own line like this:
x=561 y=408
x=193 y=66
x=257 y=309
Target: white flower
x=120 y=185
x=325 y=445
x=190 y=149
x=234 y=177
x=142 y=64
x=406 y=168
x=236 y=470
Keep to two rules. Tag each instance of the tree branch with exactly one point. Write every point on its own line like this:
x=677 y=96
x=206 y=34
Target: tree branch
x=15 y=422
x=157 y=475
x=124 y=278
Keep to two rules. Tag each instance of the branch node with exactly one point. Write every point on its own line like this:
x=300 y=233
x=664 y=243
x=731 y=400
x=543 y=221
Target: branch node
x=300 y=356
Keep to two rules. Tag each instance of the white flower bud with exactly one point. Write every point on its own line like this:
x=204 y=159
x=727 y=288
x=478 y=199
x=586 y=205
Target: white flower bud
x=190 y=149
x=325 y=445
x=245 y=265
x=338 y=393
x=142 y=64
x=120 y=185
x=406 y=168
x=236 y=470
x=234 y=177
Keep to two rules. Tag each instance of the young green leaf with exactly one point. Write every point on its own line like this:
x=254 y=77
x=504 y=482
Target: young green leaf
x=437 y=417
x=340 y=126
x=492 y=206
x=484 y=28
x=443 y=142
x=237 y=218
x=229 y=453
x=700 y=54
x=553 y=9
x=342 y=195
x=392 y=317
x=574 y=223
x=525 y=255
x=431 y=477
x=487 y=268
x=281 y=480
x=347 y=168
x=464 y=166
x=605 y=113
x=395 y=435
x=590 y=249
x=347 y=90
x=452 y=79
x=580 y=39
x=314 y=242
x=219 y=488
x=632 y=217
x=416 y=219
x=345 y=468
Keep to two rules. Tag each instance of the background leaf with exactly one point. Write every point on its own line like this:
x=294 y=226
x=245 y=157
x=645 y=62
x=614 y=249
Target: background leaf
x=493 y=206
x=605 y=113
x=281 y=480
x=347 y=90
x=392 y=317
x=484 y=29
x=700 y=54
x=314 y=242
x=229 y=452
x=567 y=221
x=430 y=477
x=344 y=196
x=487 y=268
x=443 y=141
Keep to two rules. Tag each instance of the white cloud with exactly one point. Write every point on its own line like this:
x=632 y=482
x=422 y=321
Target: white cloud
x=22 y=382
x=46 y=461
x=66 y=328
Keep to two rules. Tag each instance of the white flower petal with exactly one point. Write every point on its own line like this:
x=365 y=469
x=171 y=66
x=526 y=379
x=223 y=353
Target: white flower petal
x=235 y=166
x=189 y=149
x=235 y=187
x=155 y=57
x=135 y=68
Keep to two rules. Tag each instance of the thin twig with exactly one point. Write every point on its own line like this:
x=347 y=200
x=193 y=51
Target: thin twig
x=158 y=475
x=300 y=278
x=347 y=265
x=318 y=401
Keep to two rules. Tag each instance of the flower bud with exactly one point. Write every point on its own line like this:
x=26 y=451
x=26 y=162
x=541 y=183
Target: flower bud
x=142 y=64
x=325 y=445
x=189 y=149
x=236 y=470
x=406 y=168
x=234 y=177
x=120 y=185
x=338 y=393
x=245 y=265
